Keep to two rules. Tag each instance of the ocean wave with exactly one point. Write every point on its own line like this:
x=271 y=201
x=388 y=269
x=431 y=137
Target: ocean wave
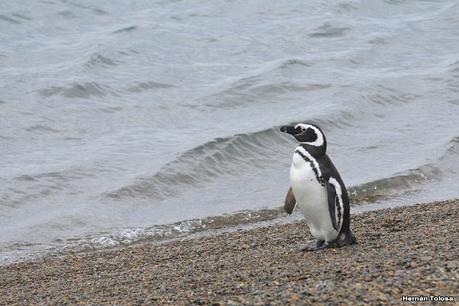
x=90 y=8
x=263 y=86
x=287 y=64
x=98 y=60
x=77 y=90
x=89 y=90
x=445 y=166
x=395 y=185
x=450 y=160
x=147 y=85
x=384 y=96
x=454 y=67
x=125 y=29
x=41 y=129
x=21 y=16
x=249 y=91
x=221 y=156
x=328 y=30
x=38 y=186
x=9 y=19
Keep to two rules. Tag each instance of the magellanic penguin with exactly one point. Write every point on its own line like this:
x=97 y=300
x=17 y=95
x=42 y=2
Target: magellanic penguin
x=317 y=189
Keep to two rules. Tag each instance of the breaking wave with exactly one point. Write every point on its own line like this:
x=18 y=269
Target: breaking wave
x=221 y=156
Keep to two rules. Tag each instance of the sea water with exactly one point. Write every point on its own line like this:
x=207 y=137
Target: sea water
x=129 y=120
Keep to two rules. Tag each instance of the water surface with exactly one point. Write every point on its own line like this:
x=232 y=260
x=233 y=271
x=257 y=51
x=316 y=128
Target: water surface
x=156 y=119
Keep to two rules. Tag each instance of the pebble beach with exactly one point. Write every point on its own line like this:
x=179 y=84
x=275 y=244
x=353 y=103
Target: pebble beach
x=401 y=251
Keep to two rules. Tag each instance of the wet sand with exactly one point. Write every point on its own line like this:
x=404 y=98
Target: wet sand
x=402 y=251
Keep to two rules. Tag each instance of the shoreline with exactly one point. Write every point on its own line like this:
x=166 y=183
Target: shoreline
x=409 y=250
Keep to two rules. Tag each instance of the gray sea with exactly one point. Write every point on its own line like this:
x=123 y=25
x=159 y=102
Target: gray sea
x=125 y=121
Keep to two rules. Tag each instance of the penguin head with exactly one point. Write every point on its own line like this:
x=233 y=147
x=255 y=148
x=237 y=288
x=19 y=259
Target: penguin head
x=307 y=134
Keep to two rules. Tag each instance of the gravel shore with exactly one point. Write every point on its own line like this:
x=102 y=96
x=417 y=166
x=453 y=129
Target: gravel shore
x=402 y=251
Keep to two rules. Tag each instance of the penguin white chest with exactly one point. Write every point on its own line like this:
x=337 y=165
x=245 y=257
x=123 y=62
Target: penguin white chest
x=311 y=198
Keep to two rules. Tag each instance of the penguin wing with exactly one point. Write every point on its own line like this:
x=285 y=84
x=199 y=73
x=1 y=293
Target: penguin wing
x=290 y=201
x=335 y=202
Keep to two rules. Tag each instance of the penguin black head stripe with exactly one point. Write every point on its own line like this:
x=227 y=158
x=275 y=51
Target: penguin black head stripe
x=308 y=135
x=317 y=188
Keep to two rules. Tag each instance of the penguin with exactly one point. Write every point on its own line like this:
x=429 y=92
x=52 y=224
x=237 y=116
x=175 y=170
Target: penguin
x=318 y=190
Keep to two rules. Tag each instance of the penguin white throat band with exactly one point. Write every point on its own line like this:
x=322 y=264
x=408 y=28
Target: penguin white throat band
x=307 y=157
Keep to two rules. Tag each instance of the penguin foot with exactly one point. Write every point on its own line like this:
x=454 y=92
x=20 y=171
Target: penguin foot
x=318 y=246
x=343 y=240
x=348 y=239
x=329 y=245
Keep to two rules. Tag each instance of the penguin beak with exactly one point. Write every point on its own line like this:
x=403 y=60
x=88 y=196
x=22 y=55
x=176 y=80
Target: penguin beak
x=290 y=130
